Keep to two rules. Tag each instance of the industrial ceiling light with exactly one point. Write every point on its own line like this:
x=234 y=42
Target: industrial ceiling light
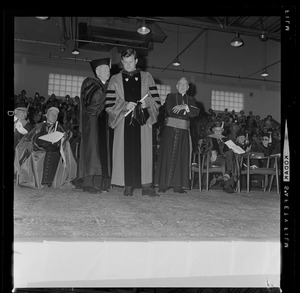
x=265 y=73
x=42 y=17
x=176 y=62
x=75 y=50
x=237 y=41
x=263 y=36
x=143 y=29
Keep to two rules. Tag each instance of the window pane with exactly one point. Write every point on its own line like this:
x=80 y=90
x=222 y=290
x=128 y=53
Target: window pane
x=231 y=100
x=63 y=84
x=163 y=90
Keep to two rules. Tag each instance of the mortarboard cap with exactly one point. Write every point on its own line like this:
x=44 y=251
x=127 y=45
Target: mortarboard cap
x=21 y=107
x=217 y=124
x=241 y=132
x=95 y=63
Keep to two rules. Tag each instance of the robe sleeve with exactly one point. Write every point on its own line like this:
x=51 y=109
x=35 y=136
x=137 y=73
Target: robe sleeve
x=115 y=105
x=169 y=104
x=194 y=110
x=26 y=146
x=92 y=98
x=153 y=100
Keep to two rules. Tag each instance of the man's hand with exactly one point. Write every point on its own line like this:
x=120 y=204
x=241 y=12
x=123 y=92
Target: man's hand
x=213 y=156
x=143 y=104
x=178 y=108
x=130 y=106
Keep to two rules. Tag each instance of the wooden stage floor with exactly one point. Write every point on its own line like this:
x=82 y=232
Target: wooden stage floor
x=71 y=214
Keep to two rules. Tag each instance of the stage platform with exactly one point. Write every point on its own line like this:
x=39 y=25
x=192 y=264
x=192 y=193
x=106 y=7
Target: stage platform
x=67 y=238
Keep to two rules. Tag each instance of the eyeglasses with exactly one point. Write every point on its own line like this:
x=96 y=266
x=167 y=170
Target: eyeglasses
x=265 y=139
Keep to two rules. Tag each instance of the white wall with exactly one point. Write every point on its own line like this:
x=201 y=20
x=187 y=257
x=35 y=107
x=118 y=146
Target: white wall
x=34 y=78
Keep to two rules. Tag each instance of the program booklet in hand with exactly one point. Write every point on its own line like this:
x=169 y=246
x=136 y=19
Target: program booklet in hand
x=53 y=136
x=235 y=148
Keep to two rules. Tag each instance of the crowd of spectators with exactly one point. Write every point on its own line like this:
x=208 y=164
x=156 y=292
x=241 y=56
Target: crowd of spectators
x=69 y=112
x=253 y=126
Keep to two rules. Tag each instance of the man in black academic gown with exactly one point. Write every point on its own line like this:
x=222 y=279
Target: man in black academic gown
x=94 y=154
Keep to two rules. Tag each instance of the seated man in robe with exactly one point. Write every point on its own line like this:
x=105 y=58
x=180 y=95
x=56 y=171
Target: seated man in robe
x=221 y=155
x=45 y=162
x=21 y=124
x=242 y=140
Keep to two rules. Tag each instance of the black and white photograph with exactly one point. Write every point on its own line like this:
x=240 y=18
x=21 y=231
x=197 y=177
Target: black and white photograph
x=149 y=154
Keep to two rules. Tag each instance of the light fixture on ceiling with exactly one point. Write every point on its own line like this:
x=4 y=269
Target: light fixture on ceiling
x=42 y=17
x=237 y=41
x=263 y=36
x=265 y=72
x=75 y=51
x=176 y=61
x=143 y=29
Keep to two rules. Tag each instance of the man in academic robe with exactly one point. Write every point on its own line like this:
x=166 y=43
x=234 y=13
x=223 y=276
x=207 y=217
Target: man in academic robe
x=94 y=159
x=43 y=162
x=133 y=106
x=222 y=155
x=22 y=125
x=174 y=158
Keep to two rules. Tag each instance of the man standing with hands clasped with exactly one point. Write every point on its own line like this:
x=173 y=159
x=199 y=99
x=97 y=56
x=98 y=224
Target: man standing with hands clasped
x=132 y=104
x=174 y=158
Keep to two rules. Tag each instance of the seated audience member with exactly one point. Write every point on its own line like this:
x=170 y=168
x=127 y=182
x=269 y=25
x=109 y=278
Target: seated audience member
x=23 y=95
x=21 y=124
x=45 y=163
x=234 y=128
x=277 y=141
x=242 y=115
x=251 y=123
x=250 y=115
x=266 y=146
x=43 y=103
x=227 y=125
x=242 y=140
x=221 y=155
x=37 y=116
x=258 y=123
x=254 y=139
x=234 y=115
x=270 y=123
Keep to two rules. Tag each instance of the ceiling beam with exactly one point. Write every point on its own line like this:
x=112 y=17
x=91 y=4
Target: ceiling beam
x=214 y=26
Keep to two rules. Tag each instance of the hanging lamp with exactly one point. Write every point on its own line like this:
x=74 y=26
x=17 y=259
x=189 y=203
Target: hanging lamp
x=176 y=61
x=237 y=41
x=265 y=72
x=76 y=51
x=143 y=29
